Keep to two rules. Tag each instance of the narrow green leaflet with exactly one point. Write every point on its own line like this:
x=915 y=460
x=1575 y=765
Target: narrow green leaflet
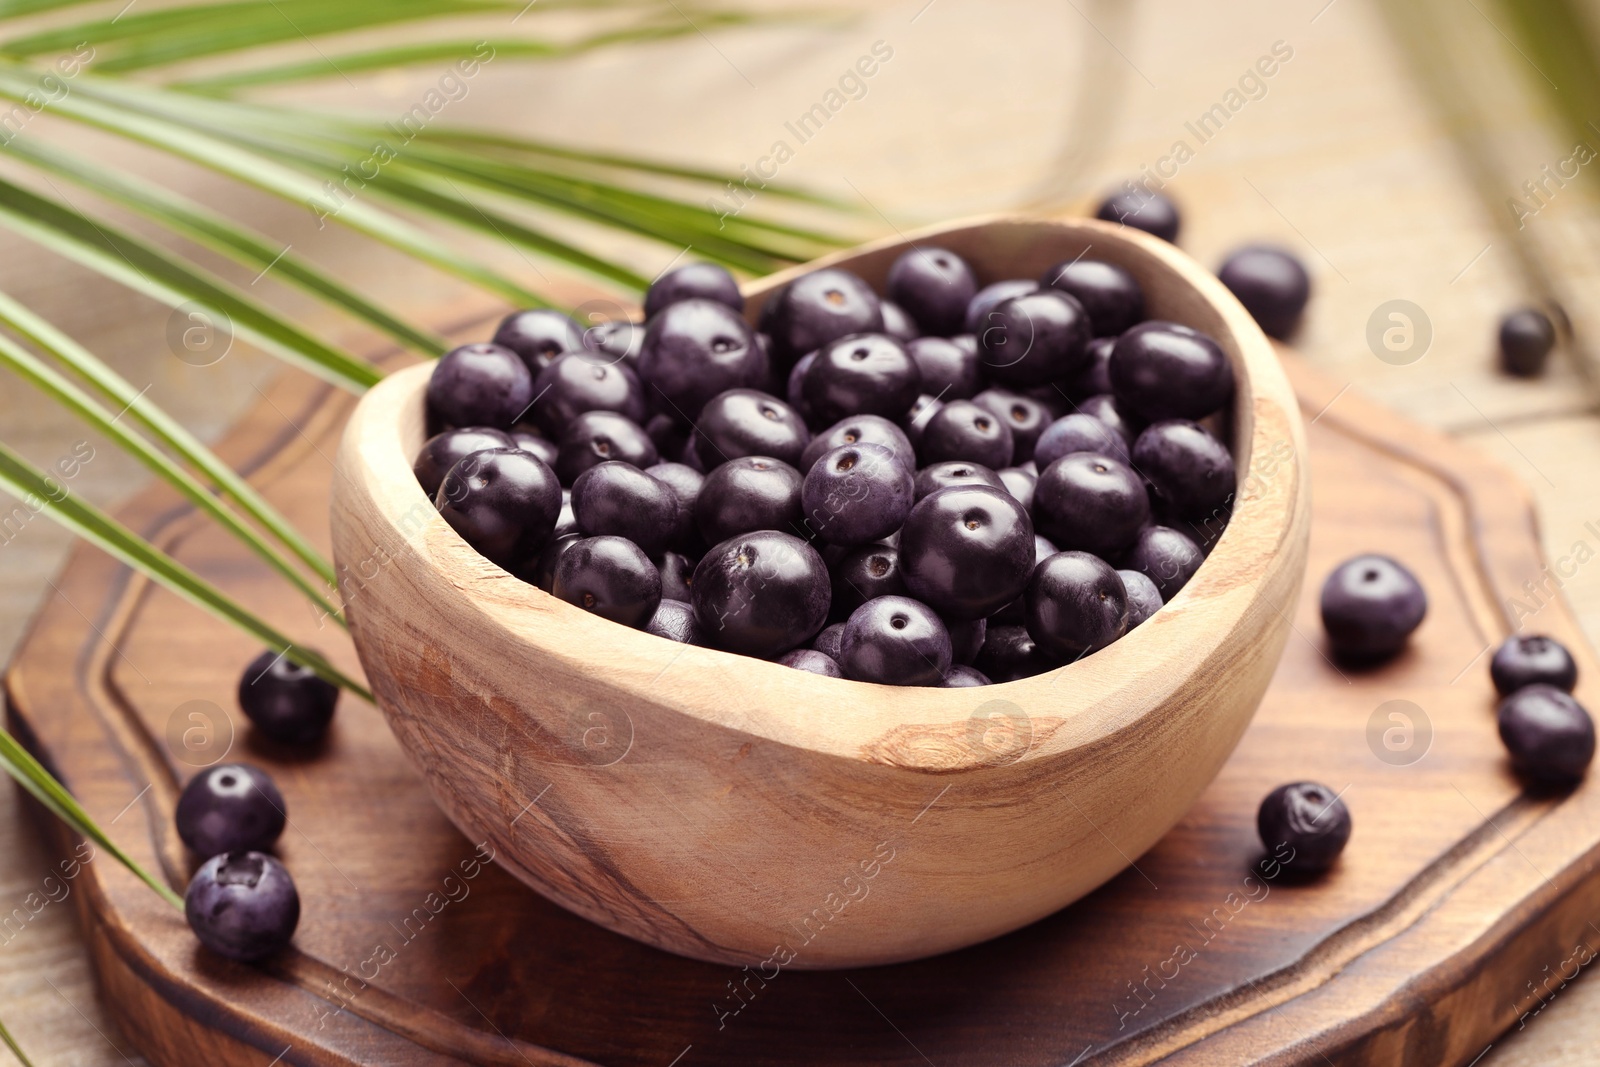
x=166 y=429
x=16 y=1050
x=149 y=270
x=219 y=233
x=25 y=482
x=75 y=400
x=28 y=772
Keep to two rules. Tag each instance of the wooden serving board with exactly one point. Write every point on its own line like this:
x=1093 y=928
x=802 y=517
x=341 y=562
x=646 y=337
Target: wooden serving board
x=1457 y=906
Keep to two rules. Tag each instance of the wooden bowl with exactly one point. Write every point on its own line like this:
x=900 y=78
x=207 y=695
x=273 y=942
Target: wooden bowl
x=734 y=810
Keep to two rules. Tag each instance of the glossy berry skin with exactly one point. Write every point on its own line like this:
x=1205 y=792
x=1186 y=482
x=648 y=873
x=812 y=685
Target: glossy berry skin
x=856 y=494
x=916 y=420
x=967 y=551
x=894 y=640
x=1309 y=818
x=242 y=905
x=751 y=493
x=963 y=430
x=576 y=382
x=947 y=370
x=567 y=521
x=685 y=483
x=966 y=638
x=960 y=676
x=694 y=350
x=812 y=662
x=828 y=640
x=748 y=422
x=1165 y=556
x=693 y=281
x=1090 y=503
x=936 y=476
x=934 y=286
x=534 y=445
x=669 y=436
x=818 y=308
x=1161 y=370
x=444 y=450
x=621 y=500
x=1549 y=735
x=1144 y=599
x=861 y=429
x=611 y=577
x=1271 y=283
x=232 y=807
x=989 y=297
x=286 y=701
x=1530 y=660
x=541 y=569
x=896 y=323
x=1152 y=212
x=1009 y=653
x=1370 y=605
x=596 y=437
x=675 y=620
x=1094 y=377
x=795 y=387
x=1025 y=416
x=1021 y=483
x=676 y=570
x=539 y=335
x=1034 y=338
x=1526 y=338
x=861 y=374
x=865 y=573
x=1111 y=296
x=1191 y=473
x=1104 y=407
x=1075 y=604
x=761 y=594
x=1078 y=432
x=618 y=341
x=502 y=501
x=478 y=385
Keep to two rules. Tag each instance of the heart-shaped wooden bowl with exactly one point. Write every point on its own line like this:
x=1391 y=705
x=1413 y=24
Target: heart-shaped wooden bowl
x=735 y=810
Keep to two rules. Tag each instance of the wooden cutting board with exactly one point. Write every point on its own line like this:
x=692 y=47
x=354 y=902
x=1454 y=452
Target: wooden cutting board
x=1456 y=911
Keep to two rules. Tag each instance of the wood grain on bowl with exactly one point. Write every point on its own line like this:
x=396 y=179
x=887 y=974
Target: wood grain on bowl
x=623 y=775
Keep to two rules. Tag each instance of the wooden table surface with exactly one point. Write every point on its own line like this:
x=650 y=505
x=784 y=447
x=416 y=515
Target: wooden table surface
x=1009 y=104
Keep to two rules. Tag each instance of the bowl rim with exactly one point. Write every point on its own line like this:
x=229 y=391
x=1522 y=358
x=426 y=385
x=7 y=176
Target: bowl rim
x=1105 y=693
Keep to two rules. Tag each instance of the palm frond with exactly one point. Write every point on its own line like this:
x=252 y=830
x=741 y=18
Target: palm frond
x=16 y=1050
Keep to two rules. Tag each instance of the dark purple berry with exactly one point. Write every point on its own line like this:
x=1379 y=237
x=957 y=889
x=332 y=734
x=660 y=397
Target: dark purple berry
x=1020 y=483
x=541 y=570
x=934 y=286
x=1034 y=338
x=1531 y=659
x=861 y=374
x=478 y=385
x=1370 y=605
x=747 y=422
x=1143 y=209
x=1075 y=605
x=922 y=412
x=1090 y=503
x=1104 y=407
x=242 y=905
x=233 y=807
x=621 y=500
x=895 y=640
x=1526 y=338
x=1161 y=370
x=1094 y=377
x=896 y=323
x=1109 y=294
x=817 y=308
x=1025 y=416
x=1144 y=599
x=539 y=335
x=286 y=701
x=966 y=638
x=611 y=577
x=1078 y=432
x=444 y=450
x=865 y=573
x=619 y=340
x=947 y=370
x=503 y=502
x=567 y=520
x=960 y=676
x=1191 y=473
x=1166 y=557
x=963 y=430
x=860 y=430
x=1009 y=653
x=694 y=350
x=1308 y=818
x=967 y=551
x=812 y=662
x=761 y=594
x=746 y=494
x=693 y=281
x=535 y=445
x=669 y=436
x=856 y=494
x=596 y=437
x=576 y=382
x=828 y=640
x=1271 y=283
x=936 y=476
x=685 y=483
x=677 y=572
x=991 y=296
x=675 y=620
x=1549 y=735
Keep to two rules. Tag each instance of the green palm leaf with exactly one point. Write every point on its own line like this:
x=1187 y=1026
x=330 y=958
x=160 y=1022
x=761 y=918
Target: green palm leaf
x=11 y=1043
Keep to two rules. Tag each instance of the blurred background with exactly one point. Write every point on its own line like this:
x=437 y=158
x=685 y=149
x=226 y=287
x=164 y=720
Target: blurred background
x=1441 y=153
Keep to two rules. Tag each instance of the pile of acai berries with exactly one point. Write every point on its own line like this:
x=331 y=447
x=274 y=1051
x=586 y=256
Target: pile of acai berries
x=944 y=485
